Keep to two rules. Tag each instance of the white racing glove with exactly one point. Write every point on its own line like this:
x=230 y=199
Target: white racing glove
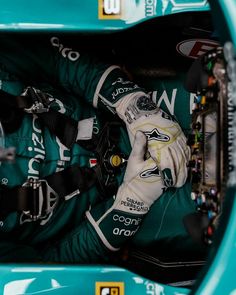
x=117 y=220
x=166 y=141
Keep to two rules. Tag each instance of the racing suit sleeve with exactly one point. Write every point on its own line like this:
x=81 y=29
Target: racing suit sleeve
x=82 y=245
x=111 y=223
x=48 y=60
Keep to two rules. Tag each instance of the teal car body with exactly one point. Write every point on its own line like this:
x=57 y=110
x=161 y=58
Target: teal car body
x=72 y=16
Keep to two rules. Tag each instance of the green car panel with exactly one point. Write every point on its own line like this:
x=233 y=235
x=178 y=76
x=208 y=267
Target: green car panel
x=75 y=15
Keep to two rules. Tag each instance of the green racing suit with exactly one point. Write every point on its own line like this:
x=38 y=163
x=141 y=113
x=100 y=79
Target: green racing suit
x=77 y=81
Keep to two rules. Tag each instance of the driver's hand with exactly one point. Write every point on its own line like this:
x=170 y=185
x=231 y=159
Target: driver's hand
x=118 y=219
x=165 y=138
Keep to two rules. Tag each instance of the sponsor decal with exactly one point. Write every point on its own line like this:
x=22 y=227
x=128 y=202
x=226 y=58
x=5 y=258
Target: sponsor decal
x=169 y=102
x=134 y=205
x=110 y=288
x=124 y=232
x=66 y=52
x=193 y=48
x=230 y=56
x=153 y=289
x=122 y=90
x=150 y=172
x=64 y=153
x=126 y=220
x=38 y=148
x=156 y=135
x=150 y=8
x=109 y=9
x=93 y=162
x=95 y=125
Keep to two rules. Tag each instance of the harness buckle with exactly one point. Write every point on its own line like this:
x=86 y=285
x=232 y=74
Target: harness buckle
x=40 y=100
x=42 y=201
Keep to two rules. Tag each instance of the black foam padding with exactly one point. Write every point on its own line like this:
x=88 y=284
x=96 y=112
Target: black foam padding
x=195 y=224
x=196 y=78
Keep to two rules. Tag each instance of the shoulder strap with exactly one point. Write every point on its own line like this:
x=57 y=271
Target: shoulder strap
x=37 y=198
x=73 y=180
x=37 y=102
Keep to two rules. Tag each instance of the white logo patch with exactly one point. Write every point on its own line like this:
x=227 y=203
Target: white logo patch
x=66 y=52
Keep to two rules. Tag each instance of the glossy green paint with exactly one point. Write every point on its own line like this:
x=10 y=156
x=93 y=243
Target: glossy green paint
x=61 y=280
x=81 y=15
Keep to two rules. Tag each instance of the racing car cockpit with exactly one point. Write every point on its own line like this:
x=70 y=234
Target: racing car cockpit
x=203 y=68
x=185 y=59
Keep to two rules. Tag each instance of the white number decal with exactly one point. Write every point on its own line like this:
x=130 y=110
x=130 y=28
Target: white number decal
x=112 y=6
